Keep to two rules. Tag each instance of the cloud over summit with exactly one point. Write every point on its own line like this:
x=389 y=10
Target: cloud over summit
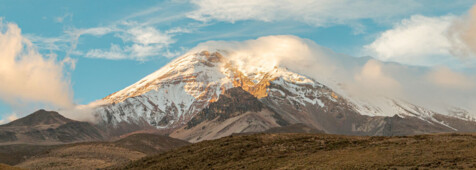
x=365 y=78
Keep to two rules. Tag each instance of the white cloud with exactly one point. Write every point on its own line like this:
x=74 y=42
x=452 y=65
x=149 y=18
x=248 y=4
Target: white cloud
x=27 y=76
x=427 y=41
x=418 y=40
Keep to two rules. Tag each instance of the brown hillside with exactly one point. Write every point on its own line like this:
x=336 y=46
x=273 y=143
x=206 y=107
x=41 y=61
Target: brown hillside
x=93 y=155
x=8 y=167
x=319 y=151
x=48 y=128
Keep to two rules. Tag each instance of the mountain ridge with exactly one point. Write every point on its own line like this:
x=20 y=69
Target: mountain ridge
x=48 y=127
x=171 y=97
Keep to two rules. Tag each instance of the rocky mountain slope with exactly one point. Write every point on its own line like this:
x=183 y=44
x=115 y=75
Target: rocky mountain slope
x=47 y=127
x=236 y=111
x=192 y=98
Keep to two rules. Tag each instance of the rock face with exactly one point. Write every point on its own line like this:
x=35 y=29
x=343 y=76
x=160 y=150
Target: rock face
x=207 y=95
x=232 y=103
x=44 y=127
x=236 y=111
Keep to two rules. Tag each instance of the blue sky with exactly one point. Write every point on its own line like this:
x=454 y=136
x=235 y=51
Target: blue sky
x=114 y=43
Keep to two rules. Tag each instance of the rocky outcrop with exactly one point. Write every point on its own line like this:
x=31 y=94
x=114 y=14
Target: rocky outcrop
x=236 y=111
x=232 y=103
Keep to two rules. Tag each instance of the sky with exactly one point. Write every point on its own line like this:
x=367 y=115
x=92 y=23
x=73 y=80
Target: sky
x=57 y=54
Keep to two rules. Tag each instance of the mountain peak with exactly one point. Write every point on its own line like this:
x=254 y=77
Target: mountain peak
x=205 y=69
x=196 y=67
x=41 y=117
x=48 y=127
x=191 y=82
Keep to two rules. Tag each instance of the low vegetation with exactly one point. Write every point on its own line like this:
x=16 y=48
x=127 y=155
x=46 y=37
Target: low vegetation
x=259 y=151
x=87 y=155
x=319 y=151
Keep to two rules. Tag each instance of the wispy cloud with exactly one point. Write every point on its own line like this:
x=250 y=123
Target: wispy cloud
x=313 y=12
x=96 y=31
x=66 y=16
x=141 y=42
x=50 y=43
x=114 y=53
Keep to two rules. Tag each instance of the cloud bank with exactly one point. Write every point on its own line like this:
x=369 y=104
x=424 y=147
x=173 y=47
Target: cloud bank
x=28 y=77
x=463 y=35
x=367 y=79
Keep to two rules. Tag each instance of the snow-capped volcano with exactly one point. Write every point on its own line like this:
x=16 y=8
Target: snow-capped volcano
x=174 y=99
x=187 y=85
